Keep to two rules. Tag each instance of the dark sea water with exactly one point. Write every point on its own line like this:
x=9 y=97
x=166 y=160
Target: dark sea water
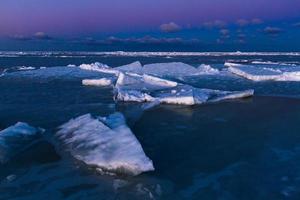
x=239 y=149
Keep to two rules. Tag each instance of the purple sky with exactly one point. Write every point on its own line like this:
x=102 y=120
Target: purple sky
x=76 y=17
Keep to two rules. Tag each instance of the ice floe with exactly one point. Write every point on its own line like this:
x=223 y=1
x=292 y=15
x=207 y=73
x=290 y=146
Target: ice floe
x=265 y=72
x=129 y=88
x=106 y=143
x=17 y=138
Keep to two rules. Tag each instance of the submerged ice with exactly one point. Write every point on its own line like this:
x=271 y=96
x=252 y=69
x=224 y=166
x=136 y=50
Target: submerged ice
x=17 y=138
x=106 y=143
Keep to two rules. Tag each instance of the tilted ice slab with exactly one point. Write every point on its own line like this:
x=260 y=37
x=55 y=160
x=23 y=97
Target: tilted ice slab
x=142 y=82
x=135 y=91
x=265 y=72
x=135 y=67
x=17 y=138
x=106 y=143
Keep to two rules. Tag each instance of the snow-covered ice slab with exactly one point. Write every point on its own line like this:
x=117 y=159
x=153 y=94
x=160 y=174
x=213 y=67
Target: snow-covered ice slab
x=129 y=88
x=265 y=72
x=16 y=138
x=106 y=143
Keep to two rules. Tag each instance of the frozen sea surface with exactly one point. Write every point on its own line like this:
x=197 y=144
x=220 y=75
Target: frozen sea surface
x=237 y=149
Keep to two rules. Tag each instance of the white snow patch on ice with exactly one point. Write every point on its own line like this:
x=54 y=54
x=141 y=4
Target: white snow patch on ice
x=25 y=68
x=97 y=82
x=106 y=143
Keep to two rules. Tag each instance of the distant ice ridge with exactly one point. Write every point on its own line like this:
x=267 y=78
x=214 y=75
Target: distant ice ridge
x=141 y=54
x=266 y=72
x=17 y=138
x=106 y=143
x=173 y=54
x=134 y=88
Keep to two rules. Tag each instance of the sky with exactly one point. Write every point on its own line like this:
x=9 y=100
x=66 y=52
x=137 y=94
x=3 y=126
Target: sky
x=195 y=25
